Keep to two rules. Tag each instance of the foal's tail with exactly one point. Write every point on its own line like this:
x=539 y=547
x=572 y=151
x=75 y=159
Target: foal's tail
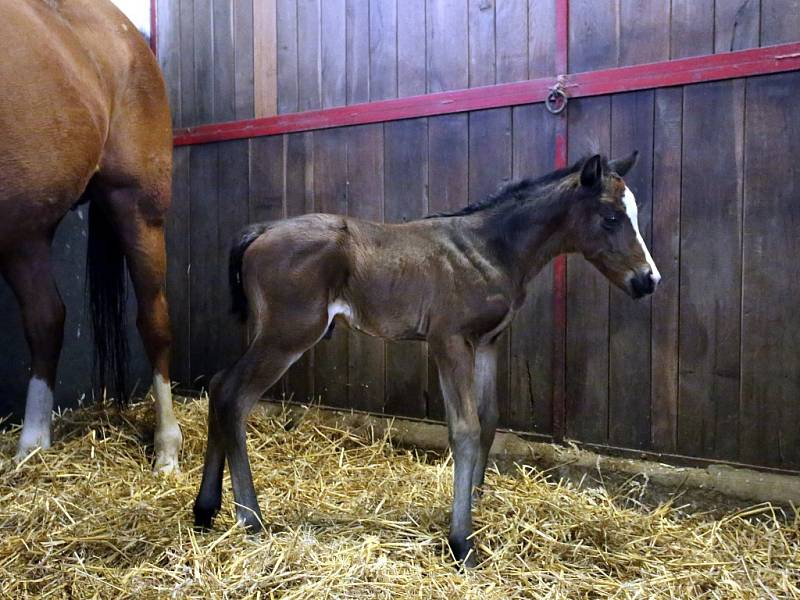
x=106 y=284
x=246 y=237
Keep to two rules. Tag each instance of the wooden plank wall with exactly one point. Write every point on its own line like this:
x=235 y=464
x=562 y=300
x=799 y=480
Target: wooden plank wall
x=689 y=371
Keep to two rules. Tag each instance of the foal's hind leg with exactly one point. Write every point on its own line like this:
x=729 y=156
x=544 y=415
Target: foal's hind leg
x=139 y=220
x=30 y=275
x=486 y=392
x=209 y=498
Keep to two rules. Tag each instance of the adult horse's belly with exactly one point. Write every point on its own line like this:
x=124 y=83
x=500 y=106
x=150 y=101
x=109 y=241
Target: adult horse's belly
x=53 y=117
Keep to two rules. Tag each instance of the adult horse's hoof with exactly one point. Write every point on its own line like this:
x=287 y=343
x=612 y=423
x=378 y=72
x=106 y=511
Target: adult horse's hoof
x=463 y=552
x=168 y=446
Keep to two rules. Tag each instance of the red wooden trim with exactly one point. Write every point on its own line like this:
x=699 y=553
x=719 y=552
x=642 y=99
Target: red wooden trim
x=562 y=36
x=153 y=27
x=743 y=63
x=428 y=105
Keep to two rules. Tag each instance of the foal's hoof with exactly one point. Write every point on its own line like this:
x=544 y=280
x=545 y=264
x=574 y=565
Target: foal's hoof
x=251 y=524
x=204 y=517
x=463 y=552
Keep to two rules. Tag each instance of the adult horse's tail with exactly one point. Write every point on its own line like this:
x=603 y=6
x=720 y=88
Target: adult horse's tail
x=106 y=282
x=246 y=237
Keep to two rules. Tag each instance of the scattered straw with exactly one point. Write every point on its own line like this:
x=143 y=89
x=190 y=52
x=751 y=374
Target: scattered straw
x=351 y=517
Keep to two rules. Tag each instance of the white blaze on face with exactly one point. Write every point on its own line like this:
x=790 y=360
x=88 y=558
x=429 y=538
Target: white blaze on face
x=633 y=214
x=38 y=413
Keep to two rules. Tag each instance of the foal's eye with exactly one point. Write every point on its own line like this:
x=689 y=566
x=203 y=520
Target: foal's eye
x=610 y=222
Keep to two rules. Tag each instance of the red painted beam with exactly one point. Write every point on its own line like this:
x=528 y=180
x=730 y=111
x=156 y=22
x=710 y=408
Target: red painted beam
x=428 y=105
x=743 y=63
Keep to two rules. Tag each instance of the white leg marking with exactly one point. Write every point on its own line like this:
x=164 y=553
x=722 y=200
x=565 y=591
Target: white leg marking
x=38 y=414
x=633 y=214
x=168 y=438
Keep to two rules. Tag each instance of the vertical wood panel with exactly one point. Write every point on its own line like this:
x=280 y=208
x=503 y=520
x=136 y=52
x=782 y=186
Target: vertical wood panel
x=447 y=45
x=780 y=21
x=666 y=254
x=736 y=24
x=629 y=320
x=178 y=232
x=593 y=34
x=541 y=38
x=489 y=168
x=710 y=292
x=298 y=199
x=205 y=254
x=531 y=387
x=382 y=50
x=233 y=202
x=224 y=103
x=203 y=61
x=405 y=199
x=587 y=296
x=357 y=51
x=287 y=67
x=169 y=53
x=308 y=55
x=448 y=177
x=188 y=110
x=334 y=53
x=770 y=411
x=511 y=18
x=692 y=28
x=330 y=196
x=411 y=48
x=481 y=43
x=365 y=201
x=643 y=31
x=264 y=43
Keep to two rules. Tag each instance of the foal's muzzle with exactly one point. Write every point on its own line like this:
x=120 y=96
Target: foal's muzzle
x=643 y=283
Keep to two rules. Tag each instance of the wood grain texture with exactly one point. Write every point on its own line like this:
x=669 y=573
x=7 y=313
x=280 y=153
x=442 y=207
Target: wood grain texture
x=264 y=44
x=382 y=50
x=593 y=34
x=541 y=38
x=405 y=199
x=710 y=294
x=587 y=296
x=769 y=427
x=188 y=108
x=448 y=190
x=411 y=48
x=643 y=31
x=511 y=41
x=736 y=24
x=333 y=53
x=481 y=45
x=629 y=320
x=365 y=181
x=692 y=28
x=288 y=57
x=203 y=32
x=308 y=55
x=531 y=337
x=780 y=21
x=447 y=47
x=665 y=249
x=223 y=65
x=357 y=16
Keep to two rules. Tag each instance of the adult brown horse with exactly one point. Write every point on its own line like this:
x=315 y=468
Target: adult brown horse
x=84 y=117
x=455 y=280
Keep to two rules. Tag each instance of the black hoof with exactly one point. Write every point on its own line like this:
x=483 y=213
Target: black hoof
x=204 y=517
x=463 y=552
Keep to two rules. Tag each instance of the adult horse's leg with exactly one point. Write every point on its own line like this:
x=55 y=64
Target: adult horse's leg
x=455 y=359
x=138 y=220
x=29 y=273
x=486 y=391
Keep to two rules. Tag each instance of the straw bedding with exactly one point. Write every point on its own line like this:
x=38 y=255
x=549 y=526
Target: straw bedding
x=350 y=516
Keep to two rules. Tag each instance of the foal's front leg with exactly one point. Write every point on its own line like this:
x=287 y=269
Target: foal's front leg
x=456 y=361
x=486 y=391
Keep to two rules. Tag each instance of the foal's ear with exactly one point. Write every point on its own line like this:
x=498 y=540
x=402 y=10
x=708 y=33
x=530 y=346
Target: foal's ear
x=621 y=166
x=592 y=171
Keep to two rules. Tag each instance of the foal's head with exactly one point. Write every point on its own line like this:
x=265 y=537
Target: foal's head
x=605 y=226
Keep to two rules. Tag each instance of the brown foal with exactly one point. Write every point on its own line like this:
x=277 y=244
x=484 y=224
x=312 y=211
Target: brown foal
x=454 y=280
x=84 y=117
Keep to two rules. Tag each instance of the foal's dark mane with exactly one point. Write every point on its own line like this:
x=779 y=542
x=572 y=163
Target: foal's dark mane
x=522 y=189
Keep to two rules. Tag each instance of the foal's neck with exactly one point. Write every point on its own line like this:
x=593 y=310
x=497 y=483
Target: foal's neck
x=524 y=232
